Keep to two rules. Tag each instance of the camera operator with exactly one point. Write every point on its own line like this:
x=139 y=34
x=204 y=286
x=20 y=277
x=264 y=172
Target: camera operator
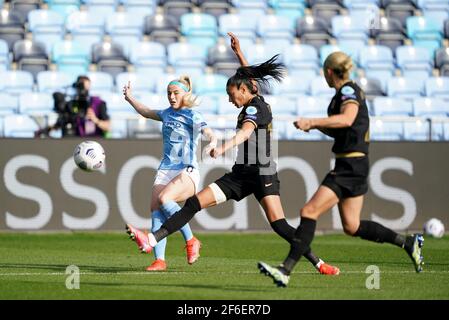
x=79 y=115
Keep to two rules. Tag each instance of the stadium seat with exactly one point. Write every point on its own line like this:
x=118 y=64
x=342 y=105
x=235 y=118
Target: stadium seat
x=289 y=9
x=309 y=106
x=242 y=26
x=11 y=27
x=225 y=107
x=414 y=61
x=350 y=30
x=51 y=81
x=215 y=7
x=19 y=126
x=139 y=8
x=383 y=106
x=71 y=57
x=140 y=82
x=30 y=56
x=23 y=7
x=119 y=127
x=399 y=9
x=302 y=59
x=109 y=58
x=430 y=107
x=186 y=55
x=295 y=134
x=85 y=27
x=403 y=87
x=275 y=30
x=437 y=128
x=117 y=106
x=442 y=61
x=16 y=82
x=207 y=105
x=371 y=87
x=200 y=29
x=176 y=8
x=319 y=87
x=426 y=31
x=292 y=85
x=222 y=59
x=47 y=27
x=9 y=104
x=211 y=84
x=313 y=31
x=36 y=103
x=437 y=87
x=251 y=7
x=102 y=8
x=64 y=7
x=382 y=130
x=281 y=105
x=417 y=130
x=125 y=29
x=378 y=63
x=4 y=55
x=261 y=52
x=161 y=28
x=326 y=9
x=389 y=33
x=148 y=57
x=100 y=81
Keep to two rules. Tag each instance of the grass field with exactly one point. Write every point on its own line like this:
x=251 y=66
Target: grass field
x=32 y=266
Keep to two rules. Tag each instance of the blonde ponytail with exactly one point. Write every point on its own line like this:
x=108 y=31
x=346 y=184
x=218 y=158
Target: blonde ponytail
x=340 y=63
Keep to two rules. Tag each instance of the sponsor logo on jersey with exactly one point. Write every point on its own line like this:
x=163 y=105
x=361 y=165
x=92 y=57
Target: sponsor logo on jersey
x=349 y=96
x=346 y=90
x=251 y=110
x=250 y=117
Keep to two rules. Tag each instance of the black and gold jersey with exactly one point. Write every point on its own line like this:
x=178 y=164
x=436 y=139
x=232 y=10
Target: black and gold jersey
x=257 y=149
x=356 y=137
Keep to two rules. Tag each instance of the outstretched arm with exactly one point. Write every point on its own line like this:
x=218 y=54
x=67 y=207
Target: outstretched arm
x=241 y=136
x=138 y=106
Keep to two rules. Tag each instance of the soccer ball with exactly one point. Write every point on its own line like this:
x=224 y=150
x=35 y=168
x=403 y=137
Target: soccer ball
x=89 y=156
x=434 y=228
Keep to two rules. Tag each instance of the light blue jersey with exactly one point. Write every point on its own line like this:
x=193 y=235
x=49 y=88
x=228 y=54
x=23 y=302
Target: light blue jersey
x=181 y=130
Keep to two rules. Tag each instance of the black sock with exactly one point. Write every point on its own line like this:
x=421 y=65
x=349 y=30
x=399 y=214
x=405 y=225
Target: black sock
x=300 y=244
x=286 y=231
x=373 y=231
x=179 y=219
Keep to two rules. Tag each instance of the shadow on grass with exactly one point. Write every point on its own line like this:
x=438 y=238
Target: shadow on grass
x=62 y=267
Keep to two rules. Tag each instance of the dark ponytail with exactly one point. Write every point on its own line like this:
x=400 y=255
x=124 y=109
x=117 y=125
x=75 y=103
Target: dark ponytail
x=261 y=73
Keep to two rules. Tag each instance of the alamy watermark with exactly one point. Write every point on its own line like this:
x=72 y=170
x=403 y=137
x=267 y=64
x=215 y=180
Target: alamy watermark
x=373 y=280
x=73 y=280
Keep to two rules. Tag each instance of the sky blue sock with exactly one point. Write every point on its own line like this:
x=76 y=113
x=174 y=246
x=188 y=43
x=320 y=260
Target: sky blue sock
x=170 y=208
x=157 y=219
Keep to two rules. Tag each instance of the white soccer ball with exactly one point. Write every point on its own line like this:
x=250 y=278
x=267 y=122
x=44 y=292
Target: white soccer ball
x=89 y=156
x=434 y=228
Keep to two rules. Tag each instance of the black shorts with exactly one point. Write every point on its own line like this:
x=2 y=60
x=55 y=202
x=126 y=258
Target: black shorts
x=245 y=180
x=349 y=177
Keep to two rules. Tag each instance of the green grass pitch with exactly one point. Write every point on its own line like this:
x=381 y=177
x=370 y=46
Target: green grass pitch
x=32 y=266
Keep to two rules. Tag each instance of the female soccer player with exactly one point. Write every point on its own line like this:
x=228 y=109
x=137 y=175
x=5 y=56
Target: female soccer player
x=178 y=177
x=254 y=171
x=348 y=124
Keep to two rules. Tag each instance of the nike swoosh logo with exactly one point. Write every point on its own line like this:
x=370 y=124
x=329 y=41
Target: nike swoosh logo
x=267 y=185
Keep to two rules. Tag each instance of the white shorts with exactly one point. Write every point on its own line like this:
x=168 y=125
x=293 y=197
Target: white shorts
x=164 y=176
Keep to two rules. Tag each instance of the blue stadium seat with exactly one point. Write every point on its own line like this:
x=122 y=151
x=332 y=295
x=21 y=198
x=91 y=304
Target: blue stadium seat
x=292 y=85
x=211 y=84
x=200 y=29
x=154 y=101
x=186 y=55
x=177 y=8
x=261 y=52
x=139 y=8
x=378 y=62
x=354 y=4
x=251 y=7
x=102 y=8
x=351 y=30
x=389 y=32
x=437 y=128
x=47 y=27
x=109 y=57
x=19 y=126
x=418 y=130
x=302 y=59
x=403 y=87
x=16 y=82
x=36 y=103
x=430 y=107
x=86 y=27
x=399 y=9
x=11 y=27
x=30 y=56
x=371 y=87
x=71 y=57
x=275 y=30
x=9 y=104
x=319 y=87
x=314 y=31
x=290 y=9
x=242 y=26
x=148 y=57
x=140 y=82
x=437 y=87
x=4 y=55
x=382 y=130
x=117 y=106
x=414 y=61
x=425 y=32
x=125 y=29
x=162 y=28
x=222 y=59
x=207 y=105
x=64 y=7
x=439 y=16
x=100 y=82
x=119 y=127
x=51 y=81
x=214 y=7
x=309 y=106
x=281 y=105
x=383 y=106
